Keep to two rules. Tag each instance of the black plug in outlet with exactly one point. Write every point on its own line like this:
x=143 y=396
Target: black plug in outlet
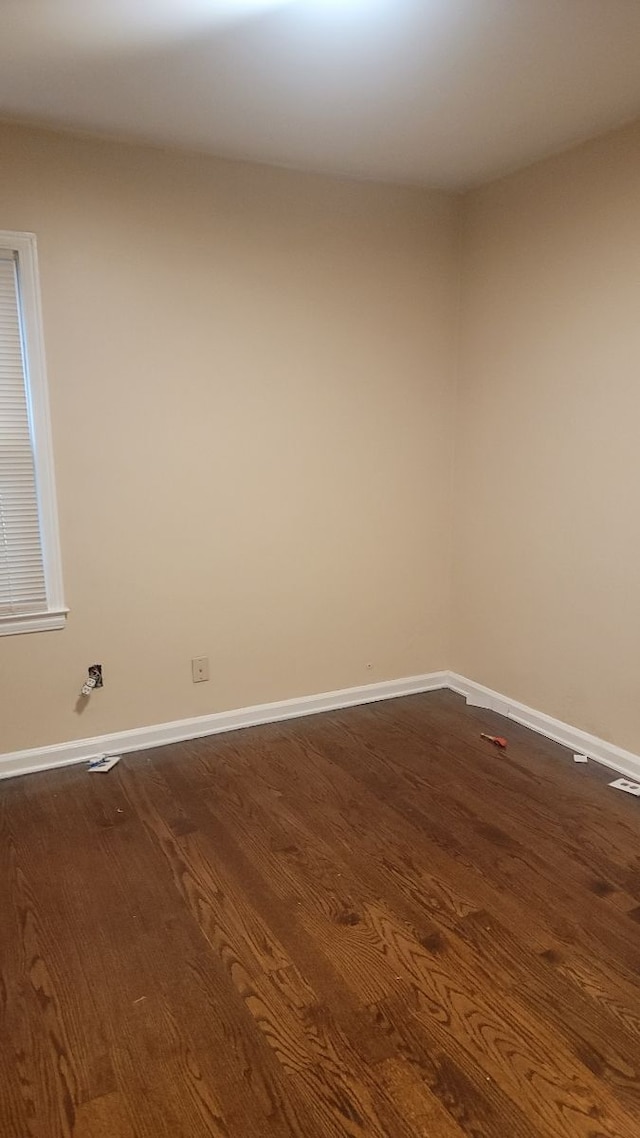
x=95 y=672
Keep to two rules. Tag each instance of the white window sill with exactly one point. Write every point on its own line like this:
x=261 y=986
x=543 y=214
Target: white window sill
x=33 y=622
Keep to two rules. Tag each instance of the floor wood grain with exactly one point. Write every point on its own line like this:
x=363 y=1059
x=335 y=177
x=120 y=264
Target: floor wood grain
x=365 y=923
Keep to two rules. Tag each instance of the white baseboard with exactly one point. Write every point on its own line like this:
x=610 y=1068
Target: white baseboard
x=142 y=738
x=578 y=741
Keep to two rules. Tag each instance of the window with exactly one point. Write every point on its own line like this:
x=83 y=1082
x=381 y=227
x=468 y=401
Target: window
x=30 y=573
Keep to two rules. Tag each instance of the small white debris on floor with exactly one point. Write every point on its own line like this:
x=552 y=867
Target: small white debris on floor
x=103 y=764
x=627 y=786
x=581 y=758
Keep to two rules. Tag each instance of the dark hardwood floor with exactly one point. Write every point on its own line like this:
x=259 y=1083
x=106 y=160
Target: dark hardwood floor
x=363 y=923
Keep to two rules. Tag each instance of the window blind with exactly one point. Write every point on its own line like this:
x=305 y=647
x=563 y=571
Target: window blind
x=22 y=578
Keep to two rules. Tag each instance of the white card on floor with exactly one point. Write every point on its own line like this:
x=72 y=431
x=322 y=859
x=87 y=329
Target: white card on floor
x=628 y=787
x=104 y=764
x=581 y=758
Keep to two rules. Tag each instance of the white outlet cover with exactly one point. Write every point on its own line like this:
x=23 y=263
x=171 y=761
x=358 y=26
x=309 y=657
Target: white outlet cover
x=101 y=766
x=627 y=786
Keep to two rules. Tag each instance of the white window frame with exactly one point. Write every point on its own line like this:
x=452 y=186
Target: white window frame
x=54 y=614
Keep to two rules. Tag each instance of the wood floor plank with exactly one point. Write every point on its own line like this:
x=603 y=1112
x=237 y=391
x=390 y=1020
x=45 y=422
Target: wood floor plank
x=367 y=924
x=470 y=1097
x=477 y=870
x=324 y=1051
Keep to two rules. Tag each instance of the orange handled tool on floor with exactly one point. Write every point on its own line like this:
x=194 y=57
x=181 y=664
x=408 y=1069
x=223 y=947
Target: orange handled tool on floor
x=497 y=740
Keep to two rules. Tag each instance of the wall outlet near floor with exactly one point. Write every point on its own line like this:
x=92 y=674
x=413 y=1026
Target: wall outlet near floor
x=200 y=669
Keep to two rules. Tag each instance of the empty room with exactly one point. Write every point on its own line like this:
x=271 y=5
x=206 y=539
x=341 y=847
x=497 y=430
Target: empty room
x=319 y=587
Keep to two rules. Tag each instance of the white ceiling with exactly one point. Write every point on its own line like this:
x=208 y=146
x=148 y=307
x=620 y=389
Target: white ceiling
x=442 y=92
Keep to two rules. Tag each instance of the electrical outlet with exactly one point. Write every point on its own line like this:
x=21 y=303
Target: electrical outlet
x=93 y=680
x=200 y=669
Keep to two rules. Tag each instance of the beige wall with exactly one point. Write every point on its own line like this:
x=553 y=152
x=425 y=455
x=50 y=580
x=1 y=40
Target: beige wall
x=251 y=384
x=547 y=595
